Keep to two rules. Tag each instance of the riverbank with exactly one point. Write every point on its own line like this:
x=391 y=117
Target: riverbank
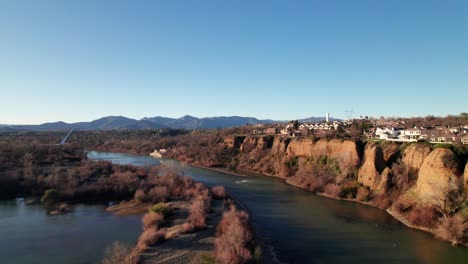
x=180 y=246
x=389 y=211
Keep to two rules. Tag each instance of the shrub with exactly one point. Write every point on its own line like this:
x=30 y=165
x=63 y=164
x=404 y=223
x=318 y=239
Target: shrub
x=119 y=253
x=140 y=196
x=234 y=238
x=363 y=194
x=149 y=238
x=452 y=229
x=382 y=201
x=159 y=208
x=349 y=192
x=197 y=216
x=50 y=196
x=158 y=194
x=152 y=220
x=401 y=206
x=426 y=217
x=332 y=189
x=218 y=192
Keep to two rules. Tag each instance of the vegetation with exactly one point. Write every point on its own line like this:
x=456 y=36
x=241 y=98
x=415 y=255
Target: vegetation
x=234 y=242
x=50 y=196
x=159 y=209
x=119 y=253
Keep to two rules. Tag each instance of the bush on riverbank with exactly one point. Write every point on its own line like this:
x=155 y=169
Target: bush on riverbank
x=159 y=208
x=152 y=220
x=119 y=253
x=234 y=241
x=218 y=192
x=452 y=229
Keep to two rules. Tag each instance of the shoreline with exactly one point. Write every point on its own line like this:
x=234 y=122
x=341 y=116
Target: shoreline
x=388 y=211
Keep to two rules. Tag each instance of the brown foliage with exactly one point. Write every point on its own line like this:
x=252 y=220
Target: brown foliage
x=425 y=216
x=363 y=194
x=140 y=196
x=148 y=238
x=234 y=238
x=218 y=192
x=332 y=190
x=401 y=179
x=152 y=220
x=197 y=214
x=382 y=201
x=119 y=253
x=158 y=194
x=452 y=229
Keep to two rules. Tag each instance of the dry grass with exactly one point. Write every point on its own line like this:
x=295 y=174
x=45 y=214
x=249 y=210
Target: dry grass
x=119 y=253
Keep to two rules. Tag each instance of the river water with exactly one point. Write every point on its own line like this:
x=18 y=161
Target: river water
x=29 y=235
x=298 y=226
x=301 y=227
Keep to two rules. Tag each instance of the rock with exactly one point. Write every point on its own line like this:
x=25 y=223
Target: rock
x=345 y=152
x=233 y=141
x=438 y=175
x=414 y=156
x=256 y=142
x=374 y=163
x=391 y=151
x=381 y=185
x=466 y=178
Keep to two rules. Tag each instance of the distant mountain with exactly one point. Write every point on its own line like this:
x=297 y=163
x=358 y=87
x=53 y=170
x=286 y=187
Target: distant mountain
x=316 y=119
x=186 y=122
x=190 y=122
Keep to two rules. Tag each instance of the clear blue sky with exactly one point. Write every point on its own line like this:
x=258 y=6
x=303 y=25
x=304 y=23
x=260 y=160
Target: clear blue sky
x=81 y=60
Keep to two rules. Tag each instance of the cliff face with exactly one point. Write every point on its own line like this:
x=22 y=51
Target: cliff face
x=466 y=178
x=345 y=152
x=436 y=172
x=438 y=175
x=259 y=143
x=413 y=157
x=374 y=164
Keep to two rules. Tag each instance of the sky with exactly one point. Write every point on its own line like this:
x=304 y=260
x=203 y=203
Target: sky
x=81 y=60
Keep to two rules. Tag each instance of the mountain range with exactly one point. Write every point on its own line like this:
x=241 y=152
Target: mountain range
x=120 y=122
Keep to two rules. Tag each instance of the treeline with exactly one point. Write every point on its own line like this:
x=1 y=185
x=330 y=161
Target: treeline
x=431 y=120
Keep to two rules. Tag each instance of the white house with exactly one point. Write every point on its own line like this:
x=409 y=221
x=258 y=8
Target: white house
x=410 y=135
x=386 y=133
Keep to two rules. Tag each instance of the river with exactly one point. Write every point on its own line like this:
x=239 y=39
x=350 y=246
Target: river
x=29 y=235
x=301 y=227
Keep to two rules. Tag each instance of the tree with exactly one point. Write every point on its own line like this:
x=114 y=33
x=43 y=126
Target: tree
x=50 y=196
x=296 y=125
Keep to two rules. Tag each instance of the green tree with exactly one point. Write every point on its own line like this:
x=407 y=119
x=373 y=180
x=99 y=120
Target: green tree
x=50 y=196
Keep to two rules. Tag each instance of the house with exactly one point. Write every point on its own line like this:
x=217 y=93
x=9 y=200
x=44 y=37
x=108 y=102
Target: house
x=271 y=131
x=386 y=133
x=464 y=139
x=257 y=131
x=442 y=137
x=409 y=135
